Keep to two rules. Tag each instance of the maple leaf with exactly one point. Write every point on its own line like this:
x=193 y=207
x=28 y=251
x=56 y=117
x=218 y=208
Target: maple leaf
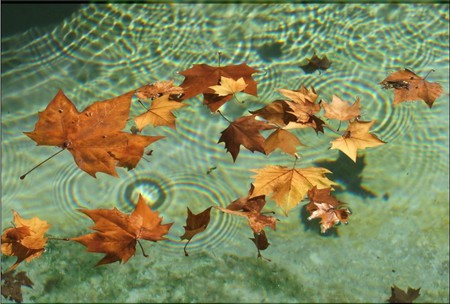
x=261 y=242
x=316 y=63
x=94 y=136
x=282 y=139
x=326 y=207
x=409 y=87
x=244 y=131
x=277 y=113
x=157 y=89
x=341 y=110
x=251 y=207
x=400 y=296
x=117 y=233
x=159 y=113
x=12 y=285
x=26 y=240
x=201 y=77
x=303 y=95
x=289 y=186
x=356 y=137
x=195 y=223
x=229 y=86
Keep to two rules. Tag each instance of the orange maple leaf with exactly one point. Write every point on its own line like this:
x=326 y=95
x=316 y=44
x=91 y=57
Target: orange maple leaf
x=409 y=87
x=94 y=136
x=117 y=233
x=244 y=131
x=356 y=137
x=201 y=77
x=26 y=240
x=159 y=113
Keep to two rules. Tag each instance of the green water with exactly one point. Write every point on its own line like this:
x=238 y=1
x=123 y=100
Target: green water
x=398 y=193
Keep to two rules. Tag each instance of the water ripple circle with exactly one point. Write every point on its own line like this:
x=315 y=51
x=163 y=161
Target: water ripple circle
x=171 y=195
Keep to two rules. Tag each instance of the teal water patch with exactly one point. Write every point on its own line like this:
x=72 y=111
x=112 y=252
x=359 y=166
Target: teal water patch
x=398 y=193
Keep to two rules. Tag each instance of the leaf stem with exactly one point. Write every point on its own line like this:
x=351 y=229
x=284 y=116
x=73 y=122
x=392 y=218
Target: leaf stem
x=58 y=239
x=223 y=116
x=432 y=70
x=41 y=163
x=142 y=249
x=185 y=252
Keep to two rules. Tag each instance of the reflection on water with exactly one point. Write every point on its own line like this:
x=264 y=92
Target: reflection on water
x=398 y=193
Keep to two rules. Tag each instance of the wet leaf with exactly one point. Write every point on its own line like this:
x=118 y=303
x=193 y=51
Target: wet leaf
x=288 y=186
x=12 y=285
x=400 y=296
x=26 y=240
x=195 y=223
x=356 y=137
x=341 y=110
x=118 y=233
x=94 y=136
x=410 y=87
x=244 y=131
x=159 y=113
x=315 y=63
x=157 y=89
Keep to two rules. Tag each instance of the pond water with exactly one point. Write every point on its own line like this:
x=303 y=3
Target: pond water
x=398 y=193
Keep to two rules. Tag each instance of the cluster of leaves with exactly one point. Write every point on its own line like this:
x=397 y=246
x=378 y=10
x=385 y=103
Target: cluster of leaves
x=97 y=142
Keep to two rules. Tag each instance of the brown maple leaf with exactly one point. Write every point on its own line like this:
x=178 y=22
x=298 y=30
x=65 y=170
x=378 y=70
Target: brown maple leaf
x=244 y=131
x=201 y=77
x=400 y=296
x=117 y=233
x=356 y=137
x=195 y=223
x=410 y=87
x=288 y=186
x=250 y=207
x=12 y=285
x=341 y=110
x=157 y=89
x=94 y=136
x=316 y=63
x=25 y=240
x=277 y=113
x=284 y=140
x=159 y=113
x=261 y=242
x=326 y=207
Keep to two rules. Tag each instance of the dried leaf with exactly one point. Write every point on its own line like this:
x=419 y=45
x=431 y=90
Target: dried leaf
x=289 y=186
x=94 y=136
x=12 y=285
x=277 y=113
x=201 y=77
x=26 y=240
x=356 y=137
x=316 y=63
x=284 y=140
x=229 y=86
x=341 y=110
x=261 y=242
x=157 y=89
x=410 y=87
x=117 y=233
x=400 y=296
x=159 y=114
x=244 y=131
x=195 y=223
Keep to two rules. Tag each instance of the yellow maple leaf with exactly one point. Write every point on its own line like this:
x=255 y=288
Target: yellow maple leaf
x=229 y=86
x=356 y=137
x=288 y=186
x=26 y=240
x=285 y=140
x=159 y=114
x=303 y=95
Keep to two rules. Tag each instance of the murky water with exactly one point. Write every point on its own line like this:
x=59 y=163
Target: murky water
x=398 y=193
